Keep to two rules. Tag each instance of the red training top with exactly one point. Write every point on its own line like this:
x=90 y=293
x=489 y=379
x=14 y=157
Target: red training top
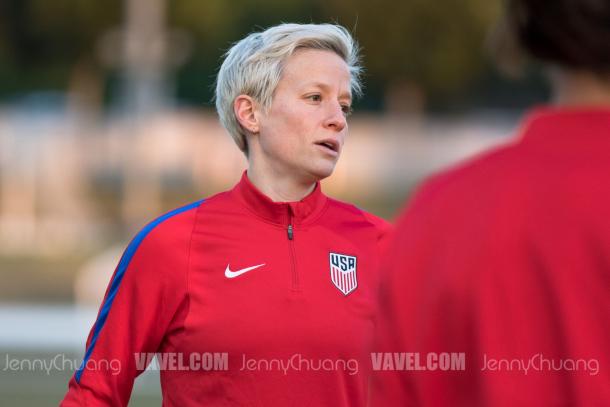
x=507 y=259
x=249 y=302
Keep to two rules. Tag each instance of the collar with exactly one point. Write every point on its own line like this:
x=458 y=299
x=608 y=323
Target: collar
x=575 y=130
x=283 y=213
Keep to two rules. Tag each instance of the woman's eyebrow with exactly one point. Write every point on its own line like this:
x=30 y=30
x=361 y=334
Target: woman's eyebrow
x=326 y=87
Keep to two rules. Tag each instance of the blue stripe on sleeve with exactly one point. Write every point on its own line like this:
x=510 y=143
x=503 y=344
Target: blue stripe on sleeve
x=118 y=277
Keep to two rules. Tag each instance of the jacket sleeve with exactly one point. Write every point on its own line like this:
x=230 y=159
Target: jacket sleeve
x=147 y=290
x=385 y=232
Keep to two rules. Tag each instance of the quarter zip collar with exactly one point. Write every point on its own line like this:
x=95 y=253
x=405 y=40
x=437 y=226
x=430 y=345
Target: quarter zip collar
x=282 y=213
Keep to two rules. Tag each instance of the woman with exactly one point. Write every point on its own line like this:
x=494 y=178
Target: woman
x=265 y=294
x=505 y=259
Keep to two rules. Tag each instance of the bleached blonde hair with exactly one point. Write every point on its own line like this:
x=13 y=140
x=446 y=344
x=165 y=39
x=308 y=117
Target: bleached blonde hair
x=253 y=66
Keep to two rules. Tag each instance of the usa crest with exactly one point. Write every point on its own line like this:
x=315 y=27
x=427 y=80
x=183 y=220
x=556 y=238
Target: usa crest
x=343 y=272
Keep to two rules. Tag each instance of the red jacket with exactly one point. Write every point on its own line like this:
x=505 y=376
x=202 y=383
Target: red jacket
x=249 y=302
x=507 y=259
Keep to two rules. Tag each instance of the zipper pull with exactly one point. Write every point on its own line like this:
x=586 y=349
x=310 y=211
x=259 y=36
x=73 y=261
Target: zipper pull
x=290 y=233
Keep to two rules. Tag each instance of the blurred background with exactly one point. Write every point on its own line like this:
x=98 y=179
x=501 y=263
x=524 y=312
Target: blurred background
x=106 y=121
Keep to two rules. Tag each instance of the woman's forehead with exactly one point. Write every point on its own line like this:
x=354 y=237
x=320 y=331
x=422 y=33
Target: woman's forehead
x=314 y=67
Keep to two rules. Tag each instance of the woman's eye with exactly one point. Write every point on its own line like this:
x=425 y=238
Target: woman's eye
x=314 y=98
x=347 y=110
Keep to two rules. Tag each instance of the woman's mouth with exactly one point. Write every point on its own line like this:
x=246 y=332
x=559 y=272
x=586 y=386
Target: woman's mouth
x=330 y=146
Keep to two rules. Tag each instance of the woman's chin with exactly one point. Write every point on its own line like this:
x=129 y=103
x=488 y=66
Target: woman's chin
x=319 y=172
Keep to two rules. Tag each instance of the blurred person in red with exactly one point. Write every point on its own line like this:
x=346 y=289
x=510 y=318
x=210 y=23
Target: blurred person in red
x=265 y=294
x=502 y=263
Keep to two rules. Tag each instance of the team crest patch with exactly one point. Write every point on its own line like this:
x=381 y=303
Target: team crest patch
x=343 y=272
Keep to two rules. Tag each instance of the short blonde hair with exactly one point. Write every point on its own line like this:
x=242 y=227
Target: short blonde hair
x=253 y=66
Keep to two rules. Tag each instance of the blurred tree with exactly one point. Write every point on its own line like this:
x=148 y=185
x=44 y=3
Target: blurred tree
x=413 y=51
x=418 y=48
x=216 y=24
x=41 y=42
x=417 y=53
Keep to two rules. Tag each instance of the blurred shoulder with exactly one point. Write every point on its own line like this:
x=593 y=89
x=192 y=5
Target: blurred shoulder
x=477 y=176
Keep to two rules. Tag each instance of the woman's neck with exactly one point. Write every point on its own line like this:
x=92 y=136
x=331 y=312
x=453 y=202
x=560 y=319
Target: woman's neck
x=277 y=186
x=577 y=88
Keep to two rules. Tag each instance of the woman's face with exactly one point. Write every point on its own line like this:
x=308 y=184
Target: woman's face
x=303 y=131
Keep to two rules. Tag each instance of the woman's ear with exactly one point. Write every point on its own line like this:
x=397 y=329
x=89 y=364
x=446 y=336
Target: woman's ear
x=246 y=111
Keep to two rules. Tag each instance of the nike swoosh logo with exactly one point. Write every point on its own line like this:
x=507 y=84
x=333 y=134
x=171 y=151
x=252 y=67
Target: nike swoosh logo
x=233 y=274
